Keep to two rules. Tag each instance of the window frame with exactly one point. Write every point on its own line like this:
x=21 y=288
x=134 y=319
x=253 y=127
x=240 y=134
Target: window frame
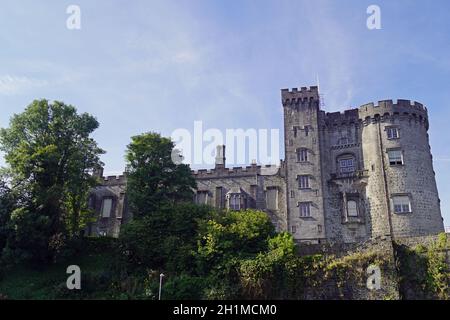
x=390 y=130
x=303 y=182
x=103 y=207
x=355 y=209
x=393 y=161
x=401 y=204
x=302 y=155
x=233 y=197
x=304 y=209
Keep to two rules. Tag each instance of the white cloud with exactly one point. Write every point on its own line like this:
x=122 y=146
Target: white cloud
x=10 y=84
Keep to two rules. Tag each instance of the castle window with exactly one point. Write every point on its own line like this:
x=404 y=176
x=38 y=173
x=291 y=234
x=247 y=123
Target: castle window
x=392 y=133
x=395 y=157
x=219 y=197
x=106 y=207
x=401 y=204
x=294 y=229
x=305 y=209
x=235 y=202
x=319 y=228
x=202 y=197
x=347 y=165
x=352 y=208
x=306 y=131
x=272 y=198
x=303 y=182
x=302 y=155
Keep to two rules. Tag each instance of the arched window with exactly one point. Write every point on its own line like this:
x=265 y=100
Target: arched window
x=352 y=208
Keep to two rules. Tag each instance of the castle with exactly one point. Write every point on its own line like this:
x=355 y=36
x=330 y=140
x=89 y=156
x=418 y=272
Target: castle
x=346 y=177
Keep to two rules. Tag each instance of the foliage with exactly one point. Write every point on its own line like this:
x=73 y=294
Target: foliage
x=265 y=276
x=423 y=270
x=165 y=239
x=153 y=179
x=233 y=235
x=7 y=205
x=51 y=157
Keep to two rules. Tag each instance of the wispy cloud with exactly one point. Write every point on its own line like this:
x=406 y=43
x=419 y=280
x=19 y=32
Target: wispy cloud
x=11 y=85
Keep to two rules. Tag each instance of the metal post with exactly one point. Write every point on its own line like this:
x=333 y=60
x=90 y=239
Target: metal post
x=161 y=276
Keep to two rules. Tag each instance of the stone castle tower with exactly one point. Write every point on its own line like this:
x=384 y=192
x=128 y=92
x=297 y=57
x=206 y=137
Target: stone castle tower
x=346 y=177
x=359 y=174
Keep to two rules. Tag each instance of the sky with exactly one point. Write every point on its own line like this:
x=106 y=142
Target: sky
x=142 y=66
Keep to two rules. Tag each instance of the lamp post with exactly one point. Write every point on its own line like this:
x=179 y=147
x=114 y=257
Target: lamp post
x=161 y=276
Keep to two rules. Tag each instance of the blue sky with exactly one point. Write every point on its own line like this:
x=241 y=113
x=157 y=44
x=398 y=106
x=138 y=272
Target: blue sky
x=160 y=65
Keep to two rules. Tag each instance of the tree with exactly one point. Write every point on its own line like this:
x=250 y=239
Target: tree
x=7 y=205
x=166 y=239
x=232 y=236
x=154 y=180
x=51 y=157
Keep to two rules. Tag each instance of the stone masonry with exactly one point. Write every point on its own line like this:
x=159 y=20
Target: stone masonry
x=346 y=177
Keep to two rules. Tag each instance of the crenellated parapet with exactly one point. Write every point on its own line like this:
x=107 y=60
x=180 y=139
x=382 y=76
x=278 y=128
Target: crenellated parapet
x=114 y=180
x=347 y=117
x=300 y=97
x=387 y=109
x=235 y=172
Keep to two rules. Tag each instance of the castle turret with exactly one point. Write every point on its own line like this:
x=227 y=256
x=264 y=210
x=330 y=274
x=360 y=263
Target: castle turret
x=303 y=164
x=401 y=187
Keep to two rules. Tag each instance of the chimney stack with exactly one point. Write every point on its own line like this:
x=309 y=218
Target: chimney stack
x=220 y=156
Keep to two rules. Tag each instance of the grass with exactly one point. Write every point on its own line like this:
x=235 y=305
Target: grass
x=50 y=283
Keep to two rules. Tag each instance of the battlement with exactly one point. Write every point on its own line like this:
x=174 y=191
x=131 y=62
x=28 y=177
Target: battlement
x=388 y=108
x=336 y=118
x=114 y=180
x=235 y=172
x=226 y=172
x=296 y=96
x=401 y=105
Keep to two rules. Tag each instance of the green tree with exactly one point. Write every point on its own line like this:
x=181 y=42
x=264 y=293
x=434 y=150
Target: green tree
x=51 y=157
x=165 y=240
x=7 y=205
x=154 y=180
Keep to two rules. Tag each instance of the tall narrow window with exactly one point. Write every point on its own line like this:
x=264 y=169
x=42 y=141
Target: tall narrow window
x=402 y=204
x=352 y=208
x=302 y=155
x=392 y=133
x=305 y=209
x=303 y=182
x=235 y=202
x=219 y=197
x=395 y=157
x=306 y=131
x=106 y=207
